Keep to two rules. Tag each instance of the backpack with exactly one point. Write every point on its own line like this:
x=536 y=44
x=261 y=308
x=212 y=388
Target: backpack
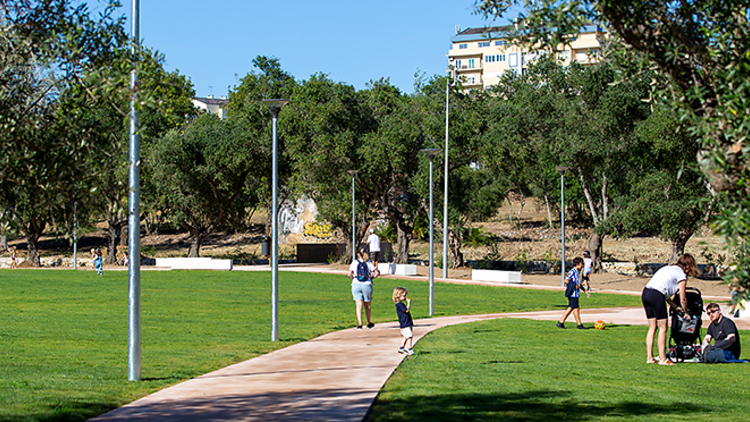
x=363 y=271
x=570 y=289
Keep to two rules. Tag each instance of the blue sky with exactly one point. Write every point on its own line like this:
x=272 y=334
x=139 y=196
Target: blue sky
x=352 y=41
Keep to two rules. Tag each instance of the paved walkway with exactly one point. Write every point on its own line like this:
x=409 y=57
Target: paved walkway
x=335 y=377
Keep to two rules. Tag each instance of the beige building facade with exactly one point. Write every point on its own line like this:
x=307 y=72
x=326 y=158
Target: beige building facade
x=217 y=106
x=480 y=57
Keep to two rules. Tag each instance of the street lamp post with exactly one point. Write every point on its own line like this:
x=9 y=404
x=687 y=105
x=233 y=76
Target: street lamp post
x=562 y=169
x=75 y=226
x=134 y=219
x=448 y=84
x=431 y=154
x=274 y=105
x=354 y=221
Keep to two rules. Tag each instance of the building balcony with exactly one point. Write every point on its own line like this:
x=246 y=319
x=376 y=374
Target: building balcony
x=467 y=69
x=464 y=53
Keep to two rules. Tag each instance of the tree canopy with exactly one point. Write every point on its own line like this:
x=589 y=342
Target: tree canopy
x=54 y=56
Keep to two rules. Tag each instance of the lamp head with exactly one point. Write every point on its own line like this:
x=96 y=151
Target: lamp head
x=431 y=152
x=274 y=105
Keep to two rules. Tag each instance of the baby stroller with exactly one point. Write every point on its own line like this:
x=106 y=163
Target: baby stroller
x=685 y=331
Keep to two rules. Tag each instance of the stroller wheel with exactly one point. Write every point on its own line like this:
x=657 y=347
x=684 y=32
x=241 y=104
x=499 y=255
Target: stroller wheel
x=672 y=355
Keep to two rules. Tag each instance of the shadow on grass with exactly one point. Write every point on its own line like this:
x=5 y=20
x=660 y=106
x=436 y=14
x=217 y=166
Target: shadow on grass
x=532 y=406
x=64 y=411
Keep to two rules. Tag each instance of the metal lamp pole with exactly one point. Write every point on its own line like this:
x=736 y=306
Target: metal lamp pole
x=562 y=169
x=448 y=84
x=134 y=227
x=431 y=154
x=274 y=106
x=75 y=226
x=354 y=221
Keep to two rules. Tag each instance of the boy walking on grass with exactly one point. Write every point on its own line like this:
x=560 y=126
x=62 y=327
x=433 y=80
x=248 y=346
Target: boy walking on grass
x=573 y=292
x=404 y=319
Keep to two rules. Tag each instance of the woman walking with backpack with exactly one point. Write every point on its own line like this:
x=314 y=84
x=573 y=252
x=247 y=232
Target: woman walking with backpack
x=362 y=272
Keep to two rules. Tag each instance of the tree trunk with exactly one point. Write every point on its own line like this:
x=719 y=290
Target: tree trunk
x=3 y=242
x=518 y=215
x=34 y=232
x=678 y=245
x=595 y=248
x=32 y=254
x=404 y=234
x=196 y=239
x=360 y=233
x=113 y=237
x=124 y=235
x=510 y=210
x=152 y=222
x=454 y=244
x=549 y=211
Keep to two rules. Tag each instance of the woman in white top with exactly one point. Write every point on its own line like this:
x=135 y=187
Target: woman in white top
x=659 y=290
x=362 y=286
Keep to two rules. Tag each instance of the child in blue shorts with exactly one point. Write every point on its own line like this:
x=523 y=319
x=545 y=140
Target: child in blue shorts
x=404 y=319
x=573 y=292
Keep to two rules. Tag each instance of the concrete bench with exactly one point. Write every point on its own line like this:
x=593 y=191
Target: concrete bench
x=496 y=276
x=397 y=269
x=195 y=263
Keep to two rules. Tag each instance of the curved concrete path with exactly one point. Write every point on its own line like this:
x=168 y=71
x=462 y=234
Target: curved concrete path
x=334 y=377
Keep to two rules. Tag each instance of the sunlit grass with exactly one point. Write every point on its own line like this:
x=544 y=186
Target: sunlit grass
x=64 y=333
x=524 y=370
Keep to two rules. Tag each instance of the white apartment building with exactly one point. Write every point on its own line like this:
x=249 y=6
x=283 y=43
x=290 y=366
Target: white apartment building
x=480 y=57
x=212 y=105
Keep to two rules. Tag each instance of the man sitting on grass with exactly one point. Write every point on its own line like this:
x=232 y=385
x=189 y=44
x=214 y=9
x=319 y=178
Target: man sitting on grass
x=724 y=333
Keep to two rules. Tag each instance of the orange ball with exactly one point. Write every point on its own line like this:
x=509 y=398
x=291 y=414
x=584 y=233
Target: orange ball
x=600 y=325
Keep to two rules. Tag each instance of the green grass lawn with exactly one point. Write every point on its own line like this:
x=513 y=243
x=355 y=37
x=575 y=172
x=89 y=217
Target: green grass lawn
x=64 y=333
x=523 y=370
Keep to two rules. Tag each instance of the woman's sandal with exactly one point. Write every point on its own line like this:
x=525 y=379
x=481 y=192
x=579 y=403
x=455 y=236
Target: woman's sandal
x=652 y=360
x=666 y=362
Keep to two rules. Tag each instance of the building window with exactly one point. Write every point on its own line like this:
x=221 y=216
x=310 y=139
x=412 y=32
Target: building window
x=563 y=55
x=501 y=57
x=471 y=63
x=463 y=46
x=513 y=59
x=471 y=80
x=484 y=44
x=458 y=64
x=489 y=59
x=500 y=43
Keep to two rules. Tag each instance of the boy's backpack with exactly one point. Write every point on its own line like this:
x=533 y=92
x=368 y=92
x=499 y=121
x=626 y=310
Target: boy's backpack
x=570 y=289
x=363 y=271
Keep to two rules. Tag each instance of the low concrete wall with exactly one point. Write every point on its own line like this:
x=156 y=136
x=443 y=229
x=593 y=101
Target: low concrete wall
x=397 y=269
x=496 y=276
x=201 y=263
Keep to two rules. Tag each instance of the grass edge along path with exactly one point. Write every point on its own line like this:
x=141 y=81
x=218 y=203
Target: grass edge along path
x=65 y=332
x=526 y=370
